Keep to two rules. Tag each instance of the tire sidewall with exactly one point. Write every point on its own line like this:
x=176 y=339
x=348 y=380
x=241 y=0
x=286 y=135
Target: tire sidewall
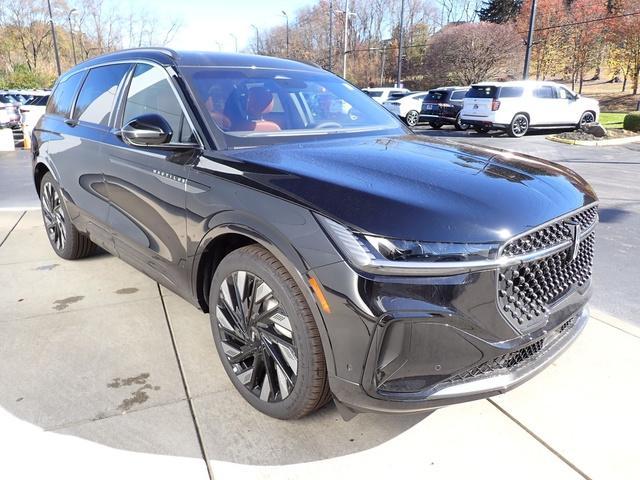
x=67 y=251
x=582 y=122
x=459 y=125
x=411 y=114
x=513 y=122
x=295 y=401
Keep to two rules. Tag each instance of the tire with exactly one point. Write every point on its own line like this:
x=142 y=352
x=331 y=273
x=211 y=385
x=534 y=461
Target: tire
x=412 y=118
x=481 y=129
x=518 y=126
x=586 y=117
x=435 y=125
x=282 y=372
x=64 y=237
x=459 y=125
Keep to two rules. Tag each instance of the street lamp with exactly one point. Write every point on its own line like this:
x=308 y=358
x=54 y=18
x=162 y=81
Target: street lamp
x=73 y=46
x=399 y=76
x=53 y=35
x=385 y=43
x=257 y=39
x=235 y=39
x=287 y=19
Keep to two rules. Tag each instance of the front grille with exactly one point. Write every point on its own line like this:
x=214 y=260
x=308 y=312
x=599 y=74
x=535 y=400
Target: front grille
x=551 y=235
x=526 y=291
x=516 y=359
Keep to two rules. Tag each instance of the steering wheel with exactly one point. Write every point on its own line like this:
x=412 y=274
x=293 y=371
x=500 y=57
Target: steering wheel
x=328 y=125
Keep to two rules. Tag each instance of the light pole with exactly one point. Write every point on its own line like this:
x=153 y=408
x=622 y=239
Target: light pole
x=73 y=46
x=384 y=51
x=235 y=39
x=257 y=39
x=53 y=35
x=287 y=19
x=399 y=76
x=346 y=13
x=527 y=56
x=330 y=34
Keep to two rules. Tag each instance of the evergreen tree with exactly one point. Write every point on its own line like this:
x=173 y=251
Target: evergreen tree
x=499 y=11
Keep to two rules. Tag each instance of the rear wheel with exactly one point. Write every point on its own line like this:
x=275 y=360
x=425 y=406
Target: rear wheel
x=64 y=237
x=266 y=335
x=459 y=125
x=412 y=118
x=519 y=125
x=587 y=117
x=435 y=125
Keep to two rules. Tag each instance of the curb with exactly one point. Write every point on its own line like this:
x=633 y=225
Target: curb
x=595 y=143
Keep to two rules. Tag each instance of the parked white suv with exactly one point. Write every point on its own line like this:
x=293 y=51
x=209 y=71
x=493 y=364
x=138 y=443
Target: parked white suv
x=408 y=107
x=518 y=106
x=381 y=94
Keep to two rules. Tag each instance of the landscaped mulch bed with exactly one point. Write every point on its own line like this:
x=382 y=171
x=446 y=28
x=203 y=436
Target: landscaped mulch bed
x=583 y=136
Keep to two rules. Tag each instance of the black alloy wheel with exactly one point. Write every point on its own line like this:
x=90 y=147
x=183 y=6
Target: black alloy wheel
x=266 y=335
x=459 y=125
x=587 y=117
x=435 y=125
x=64 y=237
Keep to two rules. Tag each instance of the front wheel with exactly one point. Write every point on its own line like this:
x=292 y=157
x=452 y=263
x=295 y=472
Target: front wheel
x=64 y=237
x=266 y=335
x=519 y=125
x=412 y=118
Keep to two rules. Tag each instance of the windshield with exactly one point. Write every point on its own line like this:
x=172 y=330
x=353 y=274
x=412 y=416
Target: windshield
x=251 y=105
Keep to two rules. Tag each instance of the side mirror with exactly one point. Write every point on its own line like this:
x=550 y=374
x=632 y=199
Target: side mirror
x=147 y=131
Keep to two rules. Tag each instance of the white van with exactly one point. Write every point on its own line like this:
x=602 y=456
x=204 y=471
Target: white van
x=520 y=105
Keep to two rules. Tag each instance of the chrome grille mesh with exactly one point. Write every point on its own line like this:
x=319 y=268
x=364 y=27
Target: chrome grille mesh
x=551 y=235
x=525 y=291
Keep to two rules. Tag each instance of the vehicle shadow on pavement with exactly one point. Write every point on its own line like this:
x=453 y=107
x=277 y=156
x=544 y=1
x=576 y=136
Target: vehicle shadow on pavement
x=92 y=349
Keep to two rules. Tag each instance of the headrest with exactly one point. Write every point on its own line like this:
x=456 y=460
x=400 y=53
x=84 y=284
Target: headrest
x=259 y=101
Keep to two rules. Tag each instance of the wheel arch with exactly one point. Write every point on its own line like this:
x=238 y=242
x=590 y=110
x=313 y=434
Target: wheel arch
x=39 y=171
x=233 y=233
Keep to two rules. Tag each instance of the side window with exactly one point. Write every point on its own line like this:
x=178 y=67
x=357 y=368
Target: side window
x=63 y=95
x=564 y=93
x=98 y=92
x=511 y=92
x=544 y=92
x=458 y=95
x=150 y=92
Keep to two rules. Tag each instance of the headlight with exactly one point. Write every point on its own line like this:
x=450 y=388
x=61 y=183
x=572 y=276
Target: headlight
x=388 y=255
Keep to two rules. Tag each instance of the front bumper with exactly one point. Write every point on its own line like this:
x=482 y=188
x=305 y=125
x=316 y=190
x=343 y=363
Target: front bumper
x=413 y=344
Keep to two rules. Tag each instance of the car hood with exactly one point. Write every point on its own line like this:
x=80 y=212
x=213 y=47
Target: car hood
x=414 y=188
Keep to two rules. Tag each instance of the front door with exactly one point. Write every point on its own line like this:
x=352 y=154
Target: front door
x=147 y=185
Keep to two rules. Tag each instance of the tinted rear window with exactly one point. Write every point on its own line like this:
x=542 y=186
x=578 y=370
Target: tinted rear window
x=396 y=96
x=98 y=93
x=63 y=95
x=373 y=94
x=458 y=95
x=510 y=92
x=478 y=91
x=437 y=95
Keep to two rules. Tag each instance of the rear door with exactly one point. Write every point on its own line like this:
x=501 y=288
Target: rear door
x=479 y=100
x=545 y=108
x=147 y=185
x=567 y=106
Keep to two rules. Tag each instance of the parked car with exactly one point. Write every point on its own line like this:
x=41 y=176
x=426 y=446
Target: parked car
x=516 y=107
x=407 y=107
x=31 y=112
x=9 y=113
x=382 y=94
x=442 y=107
x=338 y=255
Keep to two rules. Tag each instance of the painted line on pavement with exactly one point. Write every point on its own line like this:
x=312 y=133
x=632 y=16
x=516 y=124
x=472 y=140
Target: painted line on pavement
x=20 y=209
x=12 y=228
x=616 y=323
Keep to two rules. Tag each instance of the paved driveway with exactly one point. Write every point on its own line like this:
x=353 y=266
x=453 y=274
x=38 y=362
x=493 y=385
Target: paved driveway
x=103 y=374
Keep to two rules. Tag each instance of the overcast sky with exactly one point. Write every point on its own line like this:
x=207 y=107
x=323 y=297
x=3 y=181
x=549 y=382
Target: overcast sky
x=207 y=24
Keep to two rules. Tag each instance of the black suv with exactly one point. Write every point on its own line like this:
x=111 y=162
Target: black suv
x=338 y=255
x=442 y=107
